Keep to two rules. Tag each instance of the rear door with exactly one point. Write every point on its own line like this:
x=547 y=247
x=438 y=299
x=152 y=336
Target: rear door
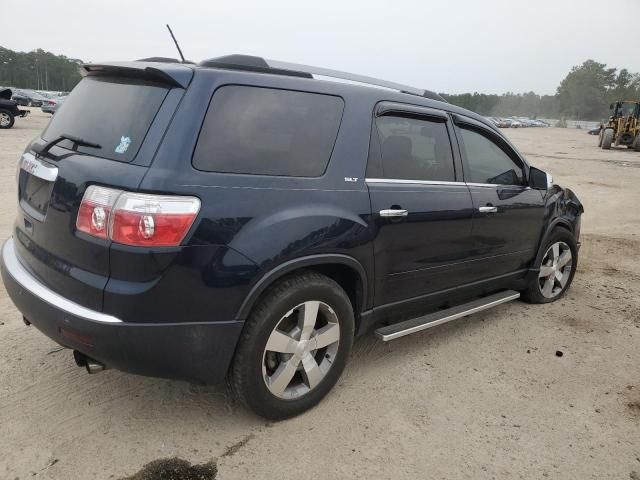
x=508 y=214
x=115 y=114
x=421 y=208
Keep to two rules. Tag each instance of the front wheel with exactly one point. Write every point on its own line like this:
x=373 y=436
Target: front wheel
x=294 y=346
x=636 y=143
x=6 y=119
x=607 y=138
x=557 y=268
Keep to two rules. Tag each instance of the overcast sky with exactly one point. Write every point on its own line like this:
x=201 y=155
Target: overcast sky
x=453 y=46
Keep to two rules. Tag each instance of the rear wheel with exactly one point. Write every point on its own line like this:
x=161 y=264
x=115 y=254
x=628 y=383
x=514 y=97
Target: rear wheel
x=636 y=143
x=607 y=138
x=294 y=346
x=557 y=268
x=6 y=119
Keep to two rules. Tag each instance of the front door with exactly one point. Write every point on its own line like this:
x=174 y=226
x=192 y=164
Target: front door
x=422 y=210
x=508 y=215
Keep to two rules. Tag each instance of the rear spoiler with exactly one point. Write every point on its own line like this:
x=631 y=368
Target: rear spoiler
x=175 y=75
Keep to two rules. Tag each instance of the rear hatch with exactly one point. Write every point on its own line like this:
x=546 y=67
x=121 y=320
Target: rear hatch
x=106 y=133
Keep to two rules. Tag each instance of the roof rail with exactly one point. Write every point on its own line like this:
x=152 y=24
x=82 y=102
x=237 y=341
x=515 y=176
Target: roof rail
x=163 y=60
x=250 y=63
x=258 y=64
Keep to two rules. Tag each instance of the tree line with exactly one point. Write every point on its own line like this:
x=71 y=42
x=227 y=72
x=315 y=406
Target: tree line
x=584 y=94
x=38 y=70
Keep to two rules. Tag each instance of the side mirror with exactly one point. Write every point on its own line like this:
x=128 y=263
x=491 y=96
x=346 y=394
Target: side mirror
x=539 y=180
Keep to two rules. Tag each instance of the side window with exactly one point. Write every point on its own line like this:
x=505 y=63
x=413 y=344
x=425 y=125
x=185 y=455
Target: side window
x=487 y=162
x=414 y=149
x=264 y=131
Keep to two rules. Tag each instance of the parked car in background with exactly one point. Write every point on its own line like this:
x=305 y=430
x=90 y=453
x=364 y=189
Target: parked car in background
x=20 y=97
x=52 y=104
x=513 y=123
x=28 y=98
x=498 y=122
x=9 y=109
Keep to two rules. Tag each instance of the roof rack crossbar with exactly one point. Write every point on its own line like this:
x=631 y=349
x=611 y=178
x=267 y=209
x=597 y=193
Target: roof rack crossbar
x=325 y=72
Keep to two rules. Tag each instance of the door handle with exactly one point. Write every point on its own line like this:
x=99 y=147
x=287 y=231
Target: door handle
x=394 y=212
x=488 y=209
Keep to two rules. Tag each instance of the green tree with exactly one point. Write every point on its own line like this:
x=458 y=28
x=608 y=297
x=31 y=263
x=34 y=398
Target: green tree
x=626 y=86
x=584 y=92
x=38 y=70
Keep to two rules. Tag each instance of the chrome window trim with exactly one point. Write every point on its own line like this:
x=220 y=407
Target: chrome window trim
x=409 y=182
x=436 y=182
x=29 y=283
x=474 y=184
x=494 y=185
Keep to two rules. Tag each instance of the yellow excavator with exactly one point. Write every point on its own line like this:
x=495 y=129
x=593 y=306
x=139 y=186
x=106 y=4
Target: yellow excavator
x=623 y=127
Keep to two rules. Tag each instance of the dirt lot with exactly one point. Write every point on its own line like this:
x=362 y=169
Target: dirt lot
x=484 y=397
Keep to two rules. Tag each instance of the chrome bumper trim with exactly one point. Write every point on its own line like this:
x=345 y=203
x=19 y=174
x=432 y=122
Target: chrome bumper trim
x=27 y=281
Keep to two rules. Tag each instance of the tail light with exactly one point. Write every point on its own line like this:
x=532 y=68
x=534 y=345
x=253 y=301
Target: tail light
x=135 y=218
x=51 y=102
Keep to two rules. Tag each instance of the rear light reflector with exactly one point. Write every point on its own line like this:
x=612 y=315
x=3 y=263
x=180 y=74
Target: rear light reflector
x=135 y=218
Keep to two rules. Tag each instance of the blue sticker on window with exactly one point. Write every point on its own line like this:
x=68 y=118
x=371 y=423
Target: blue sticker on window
x=123 y=145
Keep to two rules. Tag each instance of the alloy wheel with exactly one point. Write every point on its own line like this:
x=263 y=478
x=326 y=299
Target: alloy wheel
x=300 y=350
x=4 y=119
x=555 y=270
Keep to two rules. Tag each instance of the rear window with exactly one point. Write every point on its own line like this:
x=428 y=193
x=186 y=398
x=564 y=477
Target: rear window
x=264 y=131
x=114 y=113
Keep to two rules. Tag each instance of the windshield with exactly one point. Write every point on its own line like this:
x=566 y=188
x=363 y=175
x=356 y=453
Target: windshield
x=115 y=113
x=627 y=109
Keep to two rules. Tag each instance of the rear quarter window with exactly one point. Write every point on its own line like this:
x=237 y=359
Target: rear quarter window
x=113 y=112
x=263 y=131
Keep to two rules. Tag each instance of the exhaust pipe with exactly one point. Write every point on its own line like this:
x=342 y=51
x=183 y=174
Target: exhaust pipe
x=92 y=366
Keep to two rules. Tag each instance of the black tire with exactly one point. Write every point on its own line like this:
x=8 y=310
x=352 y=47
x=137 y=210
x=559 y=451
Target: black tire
x=4 y=115
x=246 y=373
x=600 y=138
x=533 y=293
x=607 y=138
x=636 y=143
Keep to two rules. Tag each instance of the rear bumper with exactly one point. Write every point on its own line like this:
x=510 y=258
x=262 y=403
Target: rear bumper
x=199 y=352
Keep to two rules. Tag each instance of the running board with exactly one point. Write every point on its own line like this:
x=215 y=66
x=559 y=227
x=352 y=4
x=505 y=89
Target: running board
x=414 y=325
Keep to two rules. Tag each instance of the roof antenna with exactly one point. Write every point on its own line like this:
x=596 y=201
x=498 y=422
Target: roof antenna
x=176 y=42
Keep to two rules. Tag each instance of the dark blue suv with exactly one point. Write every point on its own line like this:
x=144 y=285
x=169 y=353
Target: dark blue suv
x=245 y=219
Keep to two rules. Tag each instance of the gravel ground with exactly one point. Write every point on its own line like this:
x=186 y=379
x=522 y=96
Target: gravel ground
x=483 y=397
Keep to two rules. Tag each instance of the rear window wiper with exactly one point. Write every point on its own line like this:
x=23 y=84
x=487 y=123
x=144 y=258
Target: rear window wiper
x=77 y=142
